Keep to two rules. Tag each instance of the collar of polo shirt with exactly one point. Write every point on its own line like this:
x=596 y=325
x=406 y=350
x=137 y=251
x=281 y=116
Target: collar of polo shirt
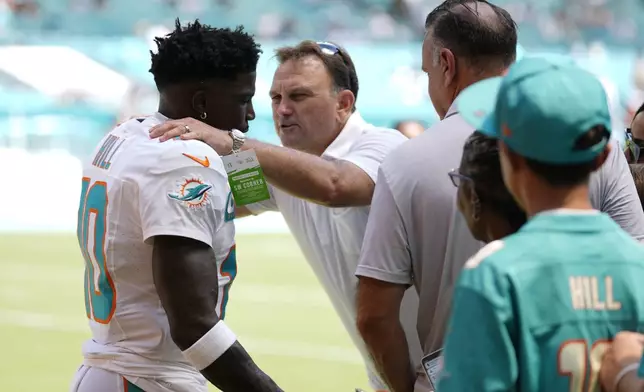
x=453 y=109
x=347 y=136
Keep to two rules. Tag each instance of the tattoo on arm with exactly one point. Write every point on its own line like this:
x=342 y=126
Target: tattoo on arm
x=185 y=276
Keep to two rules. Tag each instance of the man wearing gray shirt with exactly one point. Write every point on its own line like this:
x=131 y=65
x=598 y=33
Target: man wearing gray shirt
x=415 y=234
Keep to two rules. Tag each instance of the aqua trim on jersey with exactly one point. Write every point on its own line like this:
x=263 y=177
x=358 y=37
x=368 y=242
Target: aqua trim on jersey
x=100 y=293
x=536 y=311
x=228 y=268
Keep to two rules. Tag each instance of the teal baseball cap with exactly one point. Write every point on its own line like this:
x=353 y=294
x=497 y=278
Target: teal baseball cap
x=539 y=109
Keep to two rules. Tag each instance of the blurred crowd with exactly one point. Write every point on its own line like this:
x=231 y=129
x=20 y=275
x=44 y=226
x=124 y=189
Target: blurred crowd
x=542 y=22
x=594 y=29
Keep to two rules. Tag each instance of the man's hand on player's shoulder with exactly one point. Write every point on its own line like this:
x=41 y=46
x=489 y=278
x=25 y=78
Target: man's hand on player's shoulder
x=191 y=129
x=625 y=351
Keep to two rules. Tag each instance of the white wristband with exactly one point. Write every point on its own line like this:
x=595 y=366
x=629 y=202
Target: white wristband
x=625 y=370
x=211 y=346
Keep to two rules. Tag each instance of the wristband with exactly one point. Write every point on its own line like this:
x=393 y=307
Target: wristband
x=625 y=370
x=211 y=346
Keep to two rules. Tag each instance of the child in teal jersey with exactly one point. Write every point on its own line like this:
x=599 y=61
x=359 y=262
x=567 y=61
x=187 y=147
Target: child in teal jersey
x=537 y=310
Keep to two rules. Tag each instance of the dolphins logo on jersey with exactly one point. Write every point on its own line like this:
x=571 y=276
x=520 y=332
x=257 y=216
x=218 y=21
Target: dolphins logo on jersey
x=192 y=192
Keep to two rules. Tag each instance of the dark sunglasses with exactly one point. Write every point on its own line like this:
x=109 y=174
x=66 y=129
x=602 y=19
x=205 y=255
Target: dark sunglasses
x=632 y=147
x=457 y=178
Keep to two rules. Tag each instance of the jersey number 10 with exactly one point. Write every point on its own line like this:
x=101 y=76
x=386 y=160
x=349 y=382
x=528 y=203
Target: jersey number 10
x=92 y=228
x=573 y=360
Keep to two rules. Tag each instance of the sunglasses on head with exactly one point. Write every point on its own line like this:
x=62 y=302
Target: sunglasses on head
x=330 y=49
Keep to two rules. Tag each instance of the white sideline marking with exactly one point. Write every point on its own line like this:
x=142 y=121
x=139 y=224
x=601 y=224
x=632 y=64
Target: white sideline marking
x=277 y=348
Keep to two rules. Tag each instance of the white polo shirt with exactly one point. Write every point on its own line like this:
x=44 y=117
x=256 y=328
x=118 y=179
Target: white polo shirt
x=331 y=238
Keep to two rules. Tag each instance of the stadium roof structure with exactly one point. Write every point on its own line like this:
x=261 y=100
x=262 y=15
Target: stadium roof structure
x=59 y=71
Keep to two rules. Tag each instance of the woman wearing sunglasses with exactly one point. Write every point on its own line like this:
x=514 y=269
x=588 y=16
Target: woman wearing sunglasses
x=489 y=209
x=635 y=138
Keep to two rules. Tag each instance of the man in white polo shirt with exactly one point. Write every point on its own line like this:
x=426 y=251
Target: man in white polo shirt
x=323 y=178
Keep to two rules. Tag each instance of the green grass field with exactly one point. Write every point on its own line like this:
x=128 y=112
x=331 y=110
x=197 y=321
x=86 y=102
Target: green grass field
x=277 y=308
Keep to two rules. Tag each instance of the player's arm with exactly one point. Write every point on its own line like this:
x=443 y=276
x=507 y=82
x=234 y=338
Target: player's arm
x=384 y=273
x=479 y=352
x=338 y=183
x=181 y=225
x=185 y=275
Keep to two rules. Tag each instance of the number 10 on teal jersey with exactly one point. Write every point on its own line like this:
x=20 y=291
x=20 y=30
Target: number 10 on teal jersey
x=91 y=231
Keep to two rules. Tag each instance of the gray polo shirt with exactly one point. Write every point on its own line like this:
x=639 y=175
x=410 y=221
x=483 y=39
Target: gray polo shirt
x=415 y=234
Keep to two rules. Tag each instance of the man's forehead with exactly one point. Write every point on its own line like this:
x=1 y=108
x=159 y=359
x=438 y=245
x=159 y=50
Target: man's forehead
x=241 y=84
x=307 y=71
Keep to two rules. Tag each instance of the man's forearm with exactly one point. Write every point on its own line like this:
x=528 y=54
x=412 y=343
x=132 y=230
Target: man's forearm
x=301 y=174
x=388 y=348
x=236 y=371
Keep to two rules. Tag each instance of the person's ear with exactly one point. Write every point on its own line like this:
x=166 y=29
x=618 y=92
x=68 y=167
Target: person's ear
x=447 y=62
x=345 y=101
x=199 y=103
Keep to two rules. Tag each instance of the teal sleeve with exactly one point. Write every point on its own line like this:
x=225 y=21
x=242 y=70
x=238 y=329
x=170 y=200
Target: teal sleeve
x=479 y=353
x=640 y=372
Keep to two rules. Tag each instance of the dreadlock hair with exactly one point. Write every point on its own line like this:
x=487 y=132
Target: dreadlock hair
x=199 y=52
x=481 y=164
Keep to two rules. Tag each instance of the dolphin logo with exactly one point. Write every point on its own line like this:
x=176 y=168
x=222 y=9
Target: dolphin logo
x=192 y=194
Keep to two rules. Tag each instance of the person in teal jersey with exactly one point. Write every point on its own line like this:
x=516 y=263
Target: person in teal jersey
x=536 y=310
x=622 y=367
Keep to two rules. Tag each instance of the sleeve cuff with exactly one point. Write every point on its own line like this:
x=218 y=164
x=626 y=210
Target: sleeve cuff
x=373 y=174
x=178 y=232
x=385 y=276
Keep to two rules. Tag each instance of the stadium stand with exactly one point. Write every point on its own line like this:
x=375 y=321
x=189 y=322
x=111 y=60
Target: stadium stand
x=69 y=69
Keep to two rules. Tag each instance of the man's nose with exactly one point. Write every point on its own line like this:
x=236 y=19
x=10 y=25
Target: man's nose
x=250 y=114
x=284 y=108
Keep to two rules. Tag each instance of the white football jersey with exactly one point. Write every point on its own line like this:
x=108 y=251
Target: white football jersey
x=135 y=188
